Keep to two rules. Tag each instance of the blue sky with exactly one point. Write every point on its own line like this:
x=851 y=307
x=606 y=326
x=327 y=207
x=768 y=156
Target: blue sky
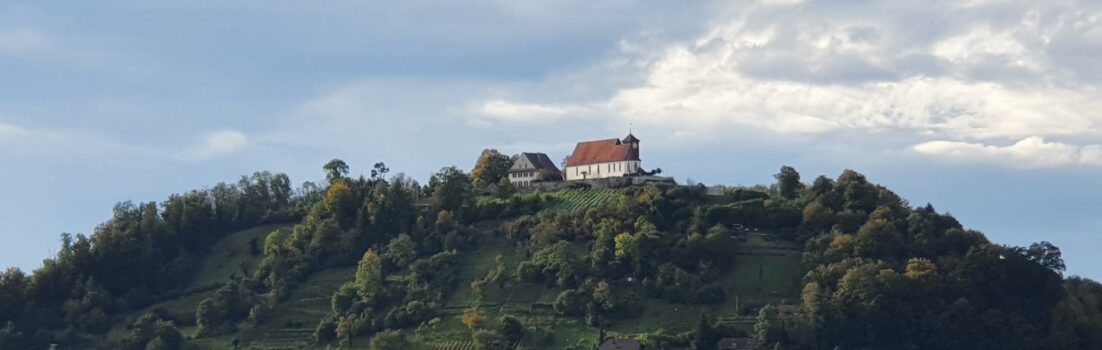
x=988 y=109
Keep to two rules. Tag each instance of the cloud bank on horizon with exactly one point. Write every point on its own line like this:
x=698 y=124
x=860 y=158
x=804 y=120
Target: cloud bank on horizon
x=976 y=80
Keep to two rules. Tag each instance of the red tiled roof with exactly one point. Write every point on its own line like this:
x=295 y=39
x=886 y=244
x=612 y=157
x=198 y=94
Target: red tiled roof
x=601 y=151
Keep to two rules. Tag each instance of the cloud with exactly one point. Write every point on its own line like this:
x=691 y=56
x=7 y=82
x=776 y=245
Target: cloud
x=1032 y=151
x=216 y=145
x=499 y=110
x=8 y=132
x=22 y=142
x=985 y=71
x=70 y=144
x=780 y=2
x=24 y=42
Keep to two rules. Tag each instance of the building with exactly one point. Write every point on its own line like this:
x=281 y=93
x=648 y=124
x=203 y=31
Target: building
x=604 y=158
x=737 y=344
x=532 y=167
x=620 y=344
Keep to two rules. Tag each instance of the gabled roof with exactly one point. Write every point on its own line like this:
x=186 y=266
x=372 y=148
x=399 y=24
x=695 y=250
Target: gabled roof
x=540 y=161
x=601 y=151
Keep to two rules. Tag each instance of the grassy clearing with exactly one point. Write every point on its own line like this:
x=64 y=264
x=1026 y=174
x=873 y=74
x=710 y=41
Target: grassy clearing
x=232 y=257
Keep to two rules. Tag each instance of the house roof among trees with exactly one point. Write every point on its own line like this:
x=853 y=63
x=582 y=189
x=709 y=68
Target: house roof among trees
x=602 y=151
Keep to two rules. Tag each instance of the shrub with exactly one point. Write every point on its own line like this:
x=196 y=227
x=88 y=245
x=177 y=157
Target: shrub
x=388 y=340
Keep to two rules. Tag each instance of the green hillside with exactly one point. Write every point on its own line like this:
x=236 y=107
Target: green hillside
x=754 y=281
x=467 y=262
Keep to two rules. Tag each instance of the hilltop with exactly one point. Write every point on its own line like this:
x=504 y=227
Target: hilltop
x=468 y=261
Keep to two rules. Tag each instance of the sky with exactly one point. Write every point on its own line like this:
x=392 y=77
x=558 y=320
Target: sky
x=988 y=109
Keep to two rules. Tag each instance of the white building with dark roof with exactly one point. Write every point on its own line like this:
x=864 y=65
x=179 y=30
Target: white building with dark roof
x=532 y=167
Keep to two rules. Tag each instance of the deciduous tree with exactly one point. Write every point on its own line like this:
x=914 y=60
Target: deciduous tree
x=788 y=182
x=369 y=277
x=492 y=166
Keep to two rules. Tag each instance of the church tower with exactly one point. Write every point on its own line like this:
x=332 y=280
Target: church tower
x=633 y=144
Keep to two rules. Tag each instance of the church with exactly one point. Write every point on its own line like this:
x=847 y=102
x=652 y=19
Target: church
x=604 y=158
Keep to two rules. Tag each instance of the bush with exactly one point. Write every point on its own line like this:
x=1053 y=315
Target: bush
x=485 y=339
x=512 y=328
x=326 y=330
x=571 y=302
x=388 y=340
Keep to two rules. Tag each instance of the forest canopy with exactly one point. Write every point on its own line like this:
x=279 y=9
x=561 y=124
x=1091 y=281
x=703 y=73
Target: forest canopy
x=877 y=272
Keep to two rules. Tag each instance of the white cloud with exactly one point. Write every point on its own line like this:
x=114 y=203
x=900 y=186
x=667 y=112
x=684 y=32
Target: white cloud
x=1032 y=151
x=506 y=111
x=991 y=71
x=216 y=145
x=22 y=142
x=8 y=132
x=24 y=42
x=67 y=144
x=781 y=2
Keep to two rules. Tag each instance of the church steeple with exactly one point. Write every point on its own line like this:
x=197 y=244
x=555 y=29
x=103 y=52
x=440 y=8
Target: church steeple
x=630 y=139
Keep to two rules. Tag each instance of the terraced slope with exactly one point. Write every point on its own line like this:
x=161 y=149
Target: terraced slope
x=575 y=200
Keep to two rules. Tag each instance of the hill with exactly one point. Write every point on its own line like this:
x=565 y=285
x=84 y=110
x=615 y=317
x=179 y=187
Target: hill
x=367 y=263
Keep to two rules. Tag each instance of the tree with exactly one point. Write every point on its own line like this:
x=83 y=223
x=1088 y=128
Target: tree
x=505 y=188
x=706 y=335
x=86 y=310
x=788 y=182
x=817 y=216
x=877 y=238
x=369 y=277
x=822 y=185
x=335 y=169
x=768 y=328
x=379 y=171
x=388 y=340
x=344 y=297
x=512 y=328
x=1048 y=255
x=492 y=166
x=340 y=201
x=451 y=189
x=472 y=317
x=166 y=337
x=485 y=339
x=920 y=269
x=11 y=337
x=217 y=314
x=344 y=331
x=401 y=251
x=13 y=287
x=571 y=302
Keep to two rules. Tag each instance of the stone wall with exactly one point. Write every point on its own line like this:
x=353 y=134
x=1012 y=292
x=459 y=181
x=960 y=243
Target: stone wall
x=608 y=182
